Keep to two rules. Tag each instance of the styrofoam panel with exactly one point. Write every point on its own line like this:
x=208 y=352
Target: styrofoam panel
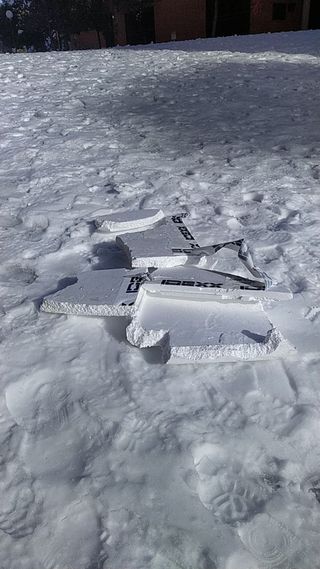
x=129 y=220
x=194 y=330
x=98 y=293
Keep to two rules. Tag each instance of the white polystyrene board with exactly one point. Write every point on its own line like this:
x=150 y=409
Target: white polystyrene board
x=224 y=260
x=129 y=220
x=224 y=252
x=165 y=245
x=187 y=279
x=209 y=330
x=98 y=293
x=170 y=243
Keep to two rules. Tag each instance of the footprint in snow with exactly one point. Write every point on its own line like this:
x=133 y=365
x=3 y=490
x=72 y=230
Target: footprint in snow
x=19 y=509
x=39 y=402
x=57 y=457
x=271 y=413
x=315 y=172
x=9 y=221
x=71 y=539
x=311 y=481
x=270 y=542
x=136 y=434
x=36 y=225
x=17 y=274
x=182 y=552
x=311 y=485
x=225 y=487
x=221 y=414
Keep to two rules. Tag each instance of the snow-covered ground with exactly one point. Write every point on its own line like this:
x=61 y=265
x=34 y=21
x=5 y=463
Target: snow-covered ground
x=109 y=459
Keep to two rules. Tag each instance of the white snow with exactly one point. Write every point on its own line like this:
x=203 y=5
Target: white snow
x=109 y=459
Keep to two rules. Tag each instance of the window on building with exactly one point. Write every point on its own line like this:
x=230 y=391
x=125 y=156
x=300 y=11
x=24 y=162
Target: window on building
x=291 y=7
x=279 y=11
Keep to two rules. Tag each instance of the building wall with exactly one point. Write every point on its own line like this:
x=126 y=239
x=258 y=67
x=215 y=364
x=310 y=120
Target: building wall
x=87 y=40
x=179 y=19
x=119 y=28
x=262 y=16
x=233 y=17
x=186 y=19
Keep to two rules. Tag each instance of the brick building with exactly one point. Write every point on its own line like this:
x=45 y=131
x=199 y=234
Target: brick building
x=275 y=16
x=190 y=19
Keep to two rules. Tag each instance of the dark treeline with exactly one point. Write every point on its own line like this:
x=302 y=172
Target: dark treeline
x=43 y=25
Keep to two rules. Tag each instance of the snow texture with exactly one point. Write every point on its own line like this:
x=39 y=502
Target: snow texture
x=109 y=459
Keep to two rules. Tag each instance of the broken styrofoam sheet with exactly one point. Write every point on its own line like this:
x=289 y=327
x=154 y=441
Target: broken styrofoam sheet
x=171 y=243
x=159 y=241
x=211 y=330
x=165 y=245
x=129 y=221
x=243 y=255
x=98 y=293
x=113 y=292
x=193 y=281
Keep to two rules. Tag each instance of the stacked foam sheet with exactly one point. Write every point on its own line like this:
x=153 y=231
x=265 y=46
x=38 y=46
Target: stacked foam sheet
x=191 y=313
x=198 y=328
x=189 y=280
